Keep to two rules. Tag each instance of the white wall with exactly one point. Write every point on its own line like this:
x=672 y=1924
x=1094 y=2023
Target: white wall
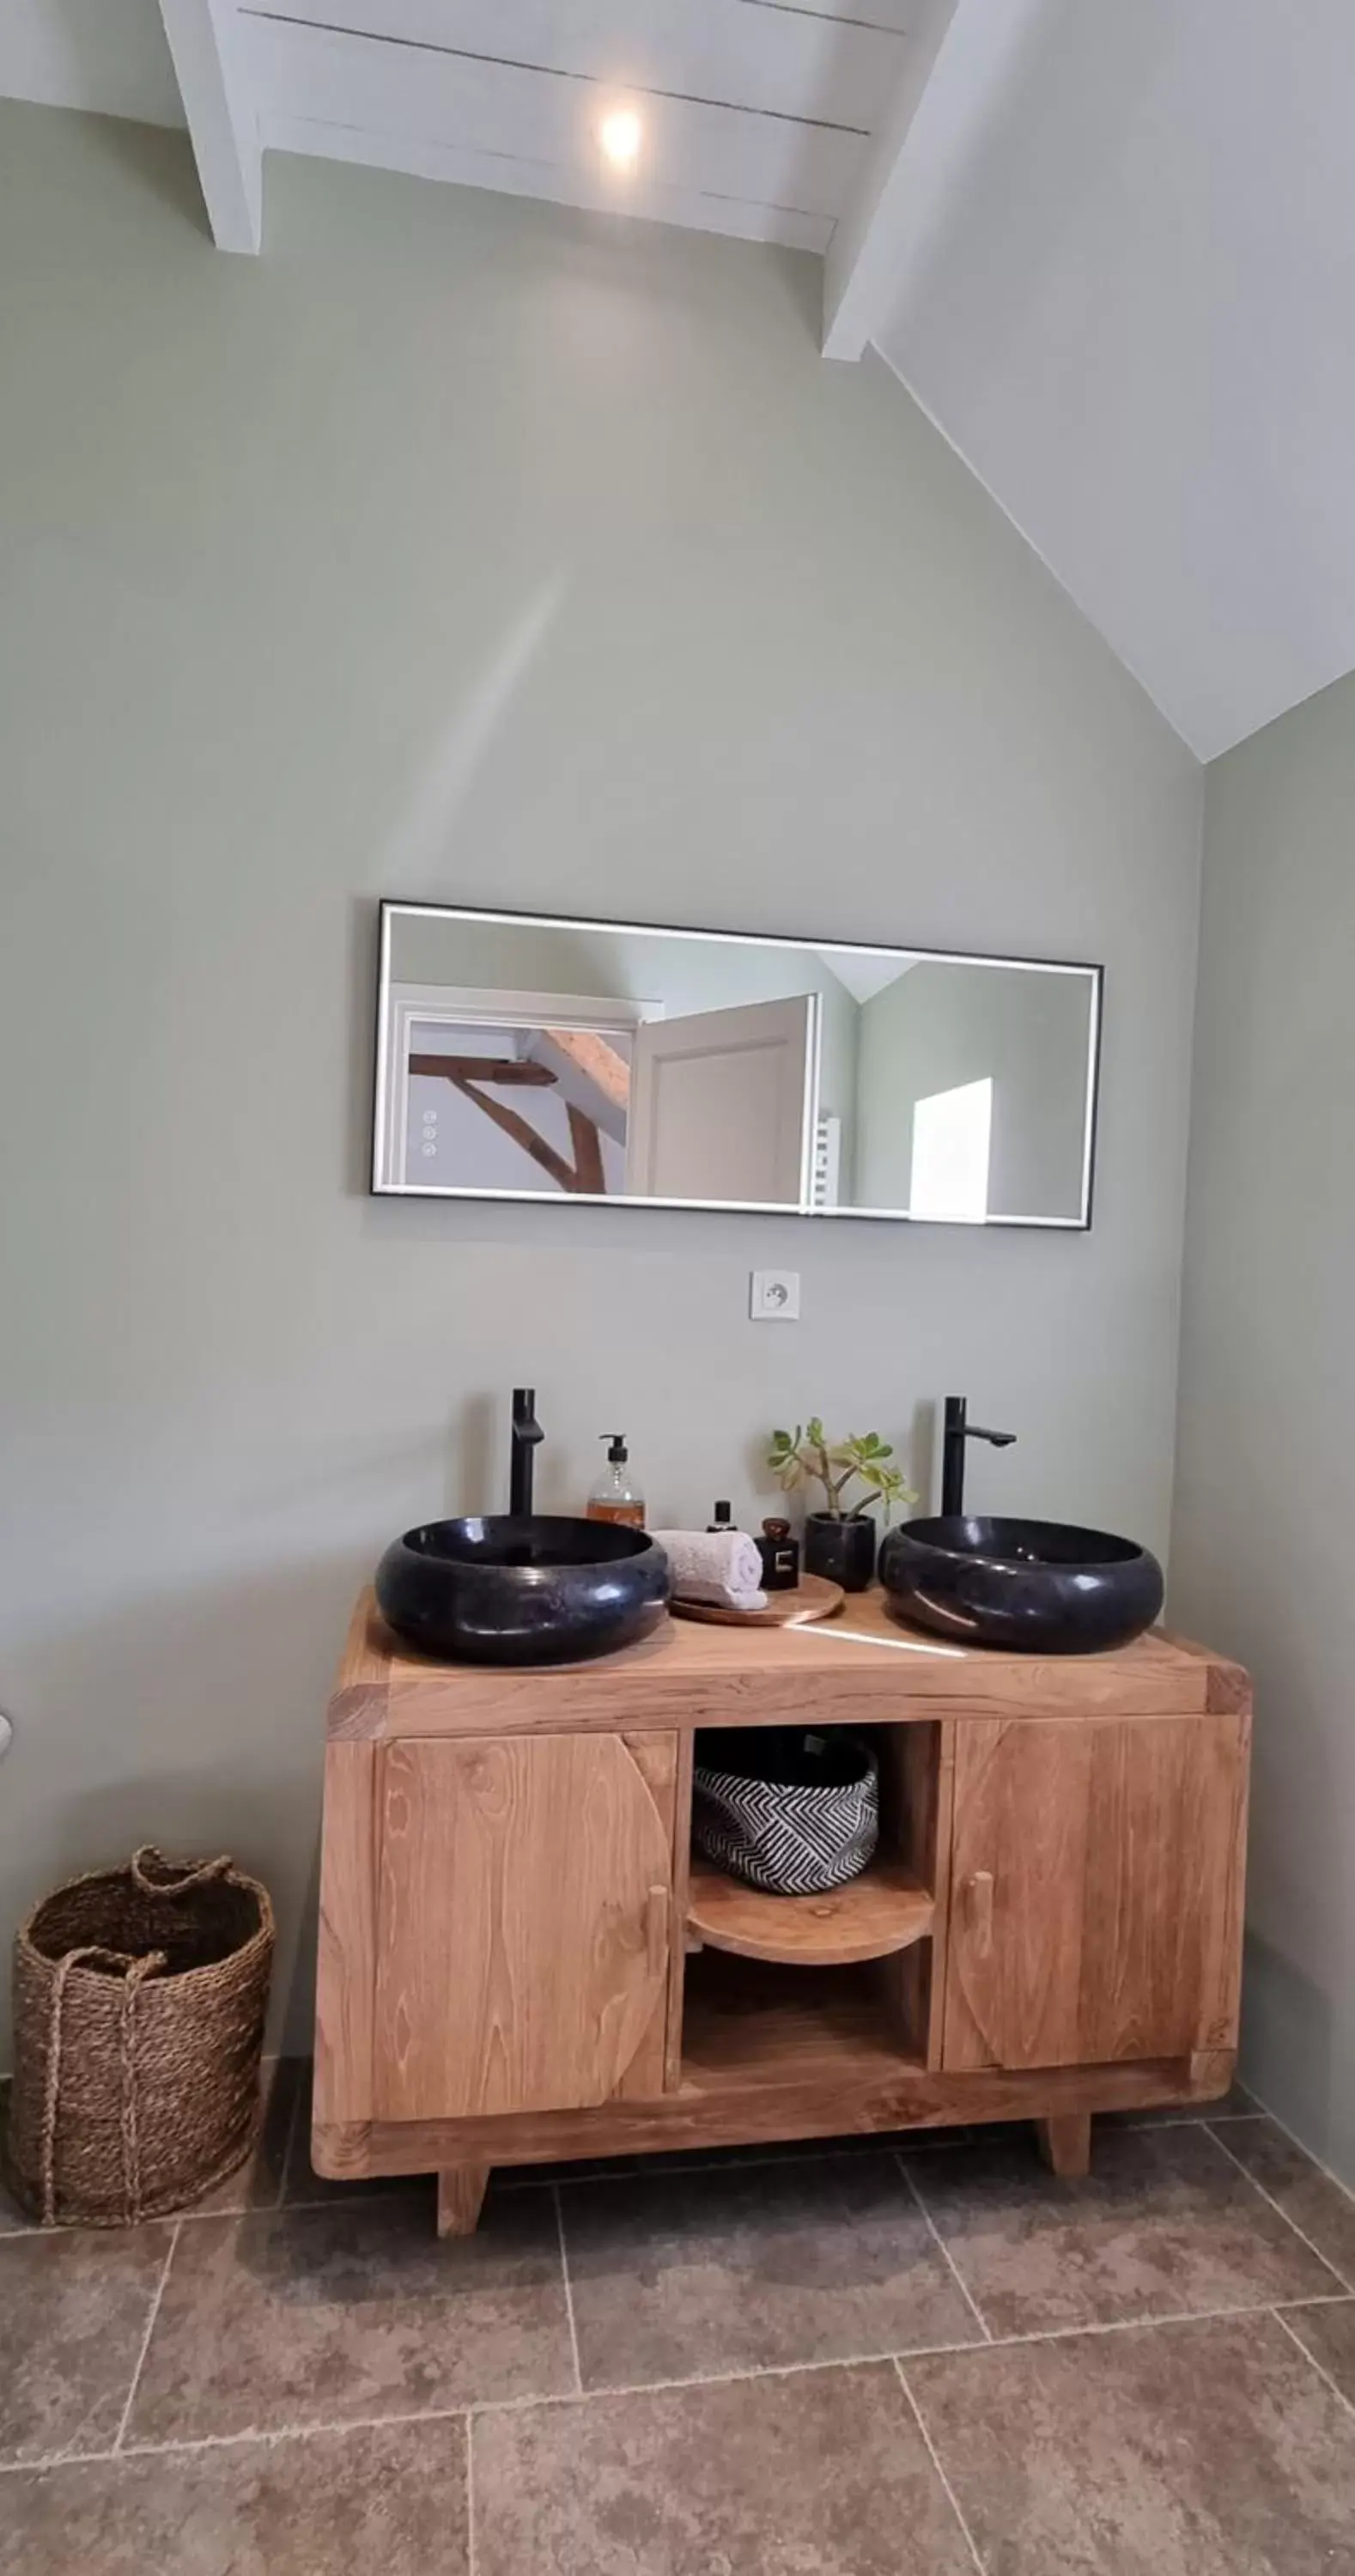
x=1266 y=1495
x=465 y=549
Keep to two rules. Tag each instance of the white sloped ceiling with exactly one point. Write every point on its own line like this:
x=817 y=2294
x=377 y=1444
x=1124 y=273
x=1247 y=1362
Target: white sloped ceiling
x=1131 y=308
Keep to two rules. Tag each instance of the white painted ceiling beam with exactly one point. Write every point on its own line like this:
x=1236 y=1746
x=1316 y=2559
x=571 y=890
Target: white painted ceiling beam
x=403 y=96
x=223 y=124
x=953 y=71
x=727 y=53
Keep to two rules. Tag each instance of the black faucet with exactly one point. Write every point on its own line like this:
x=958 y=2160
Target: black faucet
x=527 y=1434
x=959 y=1428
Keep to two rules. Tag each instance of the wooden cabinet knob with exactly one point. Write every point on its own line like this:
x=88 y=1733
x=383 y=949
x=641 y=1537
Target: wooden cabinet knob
x=979 y=1909
x=656 y=1930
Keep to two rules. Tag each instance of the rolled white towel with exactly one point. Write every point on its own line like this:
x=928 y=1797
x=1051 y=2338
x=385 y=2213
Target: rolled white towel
x=717 y=1566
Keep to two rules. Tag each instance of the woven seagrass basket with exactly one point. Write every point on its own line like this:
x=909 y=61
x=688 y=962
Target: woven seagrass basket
x=139 y=2002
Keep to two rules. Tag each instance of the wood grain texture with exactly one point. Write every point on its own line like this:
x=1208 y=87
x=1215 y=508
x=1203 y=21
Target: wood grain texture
x=654 y=2064
x=1066 y=2144
x=881 y=1911
x=347 y=1939
x=461 y=2194
x=1096 y=1891
x=357 y=1708
x=718 y=2110
x=917 y=1783
x=515 y=1966
x=682 y=1865
x=862 y=1665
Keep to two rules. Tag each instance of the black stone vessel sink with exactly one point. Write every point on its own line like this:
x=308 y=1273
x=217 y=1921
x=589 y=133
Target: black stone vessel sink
x=1035 y=1587
x=522 y=1590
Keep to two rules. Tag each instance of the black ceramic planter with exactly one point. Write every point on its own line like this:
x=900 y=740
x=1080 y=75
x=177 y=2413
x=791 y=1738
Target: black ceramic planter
x=841 y=1550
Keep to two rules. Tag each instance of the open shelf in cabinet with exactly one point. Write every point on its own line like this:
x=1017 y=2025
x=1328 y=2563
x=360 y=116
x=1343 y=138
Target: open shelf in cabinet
x=887 y=1908
x=748 y=2024
x=882 y=1911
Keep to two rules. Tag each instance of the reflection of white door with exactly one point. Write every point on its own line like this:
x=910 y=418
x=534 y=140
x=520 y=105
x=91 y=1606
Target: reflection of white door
x=722 y=1104
x=952 y=1151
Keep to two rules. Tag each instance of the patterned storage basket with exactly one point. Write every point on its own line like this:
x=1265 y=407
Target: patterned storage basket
x=789 y=1810
x=139 y=1998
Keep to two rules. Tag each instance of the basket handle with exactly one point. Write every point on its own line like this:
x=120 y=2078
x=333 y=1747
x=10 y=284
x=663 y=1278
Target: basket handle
x=156 y=1876
x=135 y=1972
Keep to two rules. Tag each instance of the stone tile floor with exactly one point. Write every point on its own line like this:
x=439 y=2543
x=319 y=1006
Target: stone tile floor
x=925 y=2358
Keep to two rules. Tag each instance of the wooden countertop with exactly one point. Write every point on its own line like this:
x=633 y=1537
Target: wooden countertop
x=863 y=1665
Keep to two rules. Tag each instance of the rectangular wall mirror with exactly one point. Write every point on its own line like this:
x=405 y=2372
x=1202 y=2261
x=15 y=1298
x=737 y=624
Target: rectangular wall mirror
x=525 y=1057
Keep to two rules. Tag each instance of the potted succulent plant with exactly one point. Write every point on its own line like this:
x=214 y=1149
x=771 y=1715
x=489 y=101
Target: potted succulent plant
x=840 y=1537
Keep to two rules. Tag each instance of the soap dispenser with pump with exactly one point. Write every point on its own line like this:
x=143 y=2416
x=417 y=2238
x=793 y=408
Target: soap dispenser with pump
x=616 y=1496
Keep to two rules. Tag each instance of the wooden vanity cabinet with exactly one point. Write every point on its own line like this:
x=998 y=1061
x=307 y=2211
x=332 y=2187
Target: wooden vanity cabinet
x=512 y=1967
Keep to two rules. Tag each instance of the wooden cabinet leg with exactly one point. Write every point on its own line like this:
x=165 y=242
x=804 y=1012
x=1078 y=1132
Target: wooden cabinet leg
x=1066 y=2144
x=461 y=2192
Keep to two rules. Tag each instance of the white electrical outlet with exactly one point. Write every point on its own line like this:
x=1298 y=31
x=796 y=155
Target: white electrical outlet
x=774 y=1296
x=6 y=1734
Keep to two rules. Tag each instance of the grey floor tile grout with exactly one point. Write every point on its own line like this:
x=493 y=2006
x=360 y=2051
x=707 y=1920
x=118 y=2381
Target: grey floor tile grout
x=1280 y=2211
x=1263 y=2111
x=146 y=2338
x=935 y=2457
x=470 y=2411
x=470 y=2497
x=1312 y=2359
x=569 y=2289
x=945 y=2253
x=1346 y=2190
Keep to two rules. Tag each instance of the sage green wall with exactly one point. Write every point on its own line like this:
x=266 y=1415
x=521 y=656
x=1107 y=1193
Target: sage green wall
x=1265 y=1499
x=465 y=548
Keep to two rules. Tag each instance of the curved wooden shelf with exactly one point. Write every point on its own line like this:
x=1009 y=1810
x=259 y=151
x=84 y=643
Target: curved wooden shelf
x=883 y=1910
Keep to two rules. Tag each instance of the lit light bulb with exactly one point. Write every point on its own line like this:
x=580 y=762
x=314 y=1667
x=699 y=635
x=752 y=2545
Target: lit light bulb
x=620 y=135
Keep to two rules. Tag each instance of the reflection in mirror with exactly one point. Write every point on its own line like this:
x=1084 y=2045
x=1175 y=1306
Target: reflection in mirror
x=520 y=1056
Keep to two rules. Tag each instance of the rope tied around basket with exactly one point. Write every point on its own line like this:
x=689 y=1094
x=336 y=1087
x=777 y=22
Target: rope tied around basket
x=135 y=1971
x=156 y=1876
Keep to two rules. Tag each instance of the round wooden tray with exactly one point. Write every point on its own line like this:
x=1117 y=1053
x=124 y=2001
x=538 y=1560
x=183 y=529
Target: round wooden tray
x=882 y=1910
x=813 y=1597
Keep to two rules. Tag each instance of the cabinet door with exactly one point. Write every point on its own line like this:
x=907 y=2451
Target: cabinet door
x=523 y=1904
x=1096 y=1889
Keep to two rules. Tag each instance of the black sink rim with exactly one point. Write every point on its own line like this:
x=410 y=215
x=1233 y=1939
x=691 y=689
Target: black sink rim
x=1104 y=1552
x=610 y=1544
x=1058 y=1604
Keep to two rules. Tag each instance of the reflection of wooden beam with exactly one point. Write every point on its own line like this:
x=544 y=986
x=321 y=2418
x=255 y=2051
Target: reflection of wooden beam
x=587 y=1144
x=585 y=1173
x=523 y=1134
x=599 y=1061
x=483 y=1068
